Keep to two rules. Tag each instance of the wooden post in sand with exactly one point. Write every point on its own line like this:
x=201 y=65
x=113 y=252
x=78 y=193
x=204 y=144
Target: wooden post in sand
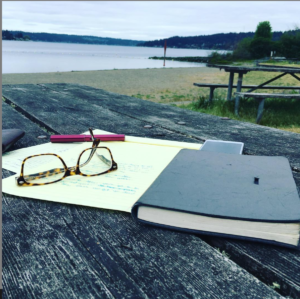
x=165 y=50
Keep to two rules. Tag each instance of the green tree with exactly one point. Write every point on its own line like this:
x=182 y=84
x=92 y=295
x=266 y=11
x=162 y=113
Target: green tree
x=289 y=44
x=242 y=49
x=19 y=35
x=263 y=30
x=261 y=45
x=7 y=35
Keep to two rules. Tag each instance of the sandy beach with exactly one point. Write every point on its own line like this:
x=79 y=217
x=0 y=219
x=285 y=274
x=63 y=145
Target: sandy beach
x=150 y=84
x=168 y=85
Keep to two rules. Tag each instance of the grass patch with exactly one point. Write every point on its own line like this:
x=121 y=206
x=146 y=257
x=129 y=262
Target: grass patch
x=278 y=113
x=139 y=96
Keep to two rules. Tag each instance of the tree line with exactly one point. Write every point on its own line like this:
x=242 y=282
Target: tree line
x=220 y=41
x=262 y=45
x=66 y=38
x=7 y=35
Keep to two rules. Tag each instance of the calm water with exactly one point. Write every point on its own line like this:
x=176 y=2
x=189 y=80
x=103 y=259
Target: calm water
x=42 y=57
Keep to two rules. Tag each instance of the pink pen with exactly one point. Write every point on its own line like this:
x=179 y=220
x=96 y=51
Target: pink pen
x=83 y=138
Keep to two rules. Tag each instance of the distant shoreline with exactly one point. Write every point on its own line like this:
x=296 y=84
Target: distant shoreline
x=64 y=42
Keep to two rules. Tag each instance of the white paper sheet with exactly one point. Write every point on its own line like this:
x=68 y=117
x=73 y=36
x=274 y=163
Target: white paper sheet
x=140 y=161
x=138 y=166
x=160 y=142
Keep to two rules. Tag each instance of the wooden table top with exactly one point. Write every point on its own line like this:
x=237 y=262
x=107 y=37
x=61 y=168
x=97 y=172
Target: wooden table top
x=53 y=250
x=234 y=68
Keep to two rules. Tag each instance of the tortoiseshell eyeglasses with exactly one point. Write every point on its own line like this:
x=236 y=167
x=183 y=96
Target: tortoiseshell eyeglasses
x=91 y=162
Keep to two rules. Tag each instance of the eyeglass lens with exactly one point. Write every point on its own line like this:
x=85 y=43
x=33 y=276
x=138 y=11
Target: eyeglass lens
x=95 y=161
x=46 y=172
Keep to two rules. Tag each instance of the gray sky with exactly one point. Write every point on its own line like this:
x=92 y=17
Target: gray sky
x=147 y=20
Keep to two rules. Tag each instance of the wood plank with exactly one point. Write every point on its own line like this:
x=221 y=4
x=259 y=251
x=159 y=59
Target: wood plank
x=277 y=66
x=260 y=110
x=258 y=140
x=53 y=250
x=247 y=86
x=230 y=85
x=41 y=254
x=211 y=94
x=42 y=258
x=238 y=89
x=73 y=116
x=268 y=95
x=265 y=262
x=230 y=68
x=11 y=119
x=76 y=252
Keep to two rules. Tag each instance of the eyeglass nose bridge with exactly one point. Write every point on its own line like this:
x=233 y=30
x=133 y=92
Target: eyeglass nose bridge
x=72 y=171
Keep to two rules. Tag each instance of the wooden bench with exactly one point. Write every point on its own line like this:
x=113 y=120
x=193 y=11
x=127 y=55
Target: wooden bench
x=261 y=97
x=214 y=86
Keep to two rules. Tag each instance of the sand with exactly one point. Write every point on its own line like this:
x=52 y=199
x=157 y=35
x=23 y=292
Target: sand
x=151 y=84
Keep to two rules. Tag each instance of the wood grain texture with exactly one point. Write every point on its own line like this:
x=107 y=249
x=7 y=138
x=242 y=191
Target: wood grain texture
x=267 y=95
x=267 y=263
x=230 y=68
x=259 y=140
x=247 y=86
x=53 y=250
x=59 y=251
x=62 y=113
x=11 y=119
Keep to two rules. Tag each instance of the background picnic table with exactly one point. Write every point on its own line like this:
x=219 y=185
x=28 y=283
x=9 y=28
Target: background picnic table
x=53 y=250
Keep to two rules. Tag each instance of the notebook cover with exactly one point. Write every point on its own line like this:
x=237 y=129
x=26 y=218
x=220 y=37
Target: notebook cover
x=9 y=137
x=222 y=185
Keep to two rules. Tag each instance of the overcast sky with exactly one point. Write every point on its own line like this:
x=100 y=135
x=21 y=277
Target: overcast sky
x=147 y=20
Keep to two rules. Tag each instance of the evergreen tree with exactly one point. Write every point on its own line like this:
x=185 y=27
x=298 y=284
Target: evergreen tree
x=7 y=35
x=289 y=44
x=263 y=30
x=241 y=50
x=261 y=44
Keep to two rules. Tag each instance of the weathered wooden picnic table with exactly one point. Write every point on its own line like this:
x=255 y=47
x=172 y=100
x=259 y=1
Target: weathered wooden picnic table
x=242 y=70
x=54 y=250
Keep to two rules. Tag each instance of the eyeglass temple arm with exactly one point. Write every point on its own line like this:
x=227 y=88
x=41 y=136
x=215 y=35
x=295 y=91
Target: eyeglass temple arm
x=92 y=135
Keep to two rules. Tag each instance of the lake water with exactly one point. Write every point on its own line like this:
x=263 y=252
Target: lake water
x=42 y=57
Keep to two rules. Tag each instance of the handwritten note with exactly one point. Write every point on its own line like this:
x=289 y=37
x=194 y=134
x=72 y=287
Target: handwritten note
x=138 y=166
x=140 y=161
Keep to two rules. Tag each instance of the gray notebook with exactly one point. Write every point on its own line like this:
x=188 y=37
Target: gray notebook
x=249 y=197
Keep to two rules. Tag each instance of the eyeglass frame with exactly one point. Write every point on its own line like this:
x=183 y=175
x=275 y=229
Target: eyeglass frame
x=69 y=171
